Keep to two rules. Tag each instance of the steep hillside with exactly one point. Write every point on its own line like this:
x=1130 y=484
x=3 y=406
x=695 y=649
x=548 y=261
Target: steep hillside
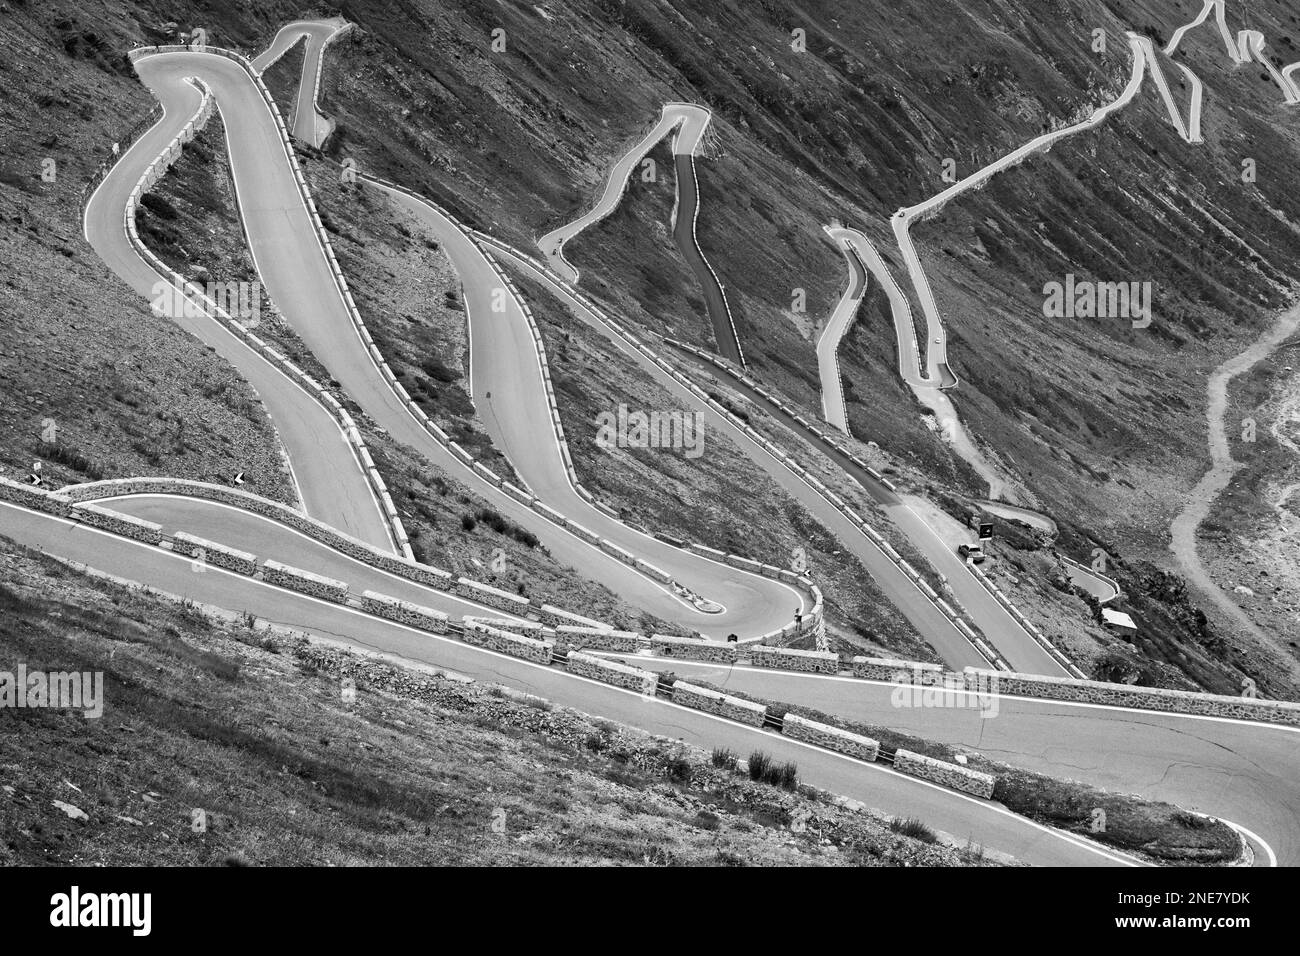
x=222 y=744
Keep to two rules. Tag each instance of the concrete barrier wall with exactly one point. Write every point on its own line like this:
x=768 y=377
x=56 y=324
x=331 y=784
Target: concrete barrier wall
x=128 y=526
x=613 y=672
x=597 y=639
x=951 y=775
x=37 y=499
x=296 y=579
x=404 y=612
x=1143 y=698
x=218 y=555
x=724 y=705
x=685 y=648
x=819 y=662
x=832 y=738
x=516 y=645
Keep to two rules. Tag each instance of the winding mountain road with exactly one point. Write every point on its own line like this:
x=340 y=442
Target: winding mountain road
x=296 y=272
x=308 y=124
x=1238 y=770
x=329 y=478
x=687 y=122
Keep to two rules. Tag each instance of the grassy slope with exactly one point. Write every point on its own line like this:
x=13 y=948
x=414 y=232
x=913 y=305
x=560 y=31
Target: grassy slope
x=256 y=732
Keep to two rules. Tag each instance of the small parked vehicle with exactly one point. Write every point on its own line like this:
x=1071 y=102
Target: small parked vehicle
x=974 y=553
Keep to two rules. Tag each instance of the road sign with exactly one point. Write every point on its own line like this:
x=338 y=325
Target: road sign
x=986 y=531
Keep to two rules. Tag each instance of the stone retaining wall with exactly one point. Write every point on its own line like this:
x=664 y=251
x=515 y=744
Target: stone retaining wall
x=51 y=502
x=404 y=612
x=613 y=672
x=901 y=672
x=516 y=645
x=788 y=658
x=1143 y=698
x=687 y=649
x=627 y=642
x=832 y=738
x=128 y=526
x=492 y=597
x=296 y=579
x=951 y=775
x=724 y=705
x=218 y=555
x=431 y=577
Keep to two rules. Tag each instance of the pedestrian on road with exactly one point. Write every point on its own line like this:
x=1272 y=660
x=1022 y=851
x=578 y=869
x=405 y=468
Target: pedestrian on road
x=798 y=616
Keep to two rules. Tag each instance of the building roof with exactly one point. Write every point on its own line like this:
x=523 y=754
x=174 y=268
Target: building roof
x=1117 y=619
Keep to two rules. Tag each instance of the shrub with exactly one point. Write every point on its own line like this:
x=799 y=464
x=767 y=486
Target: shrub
x=74 y=459
x=468 y=522
x=786 y=775
x=678 y=768
x=914 y=828
x=159 y=206
x=725 y=758
x=759 y=765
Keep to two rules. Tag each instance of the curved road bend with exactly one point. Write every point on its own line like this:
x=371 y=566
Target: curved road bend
x=928 y=391
x=1253 y=41
x=1217 y=6
x=687 y=122
x=510 y=394
x=694 y=119
x=267 y=538
x=1183 y=541
x=1289 y=73
x=330 y=480
x=307 y=125
x=1240 y=771
x=937 y=629
x=985 y=823
x=837 y=326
